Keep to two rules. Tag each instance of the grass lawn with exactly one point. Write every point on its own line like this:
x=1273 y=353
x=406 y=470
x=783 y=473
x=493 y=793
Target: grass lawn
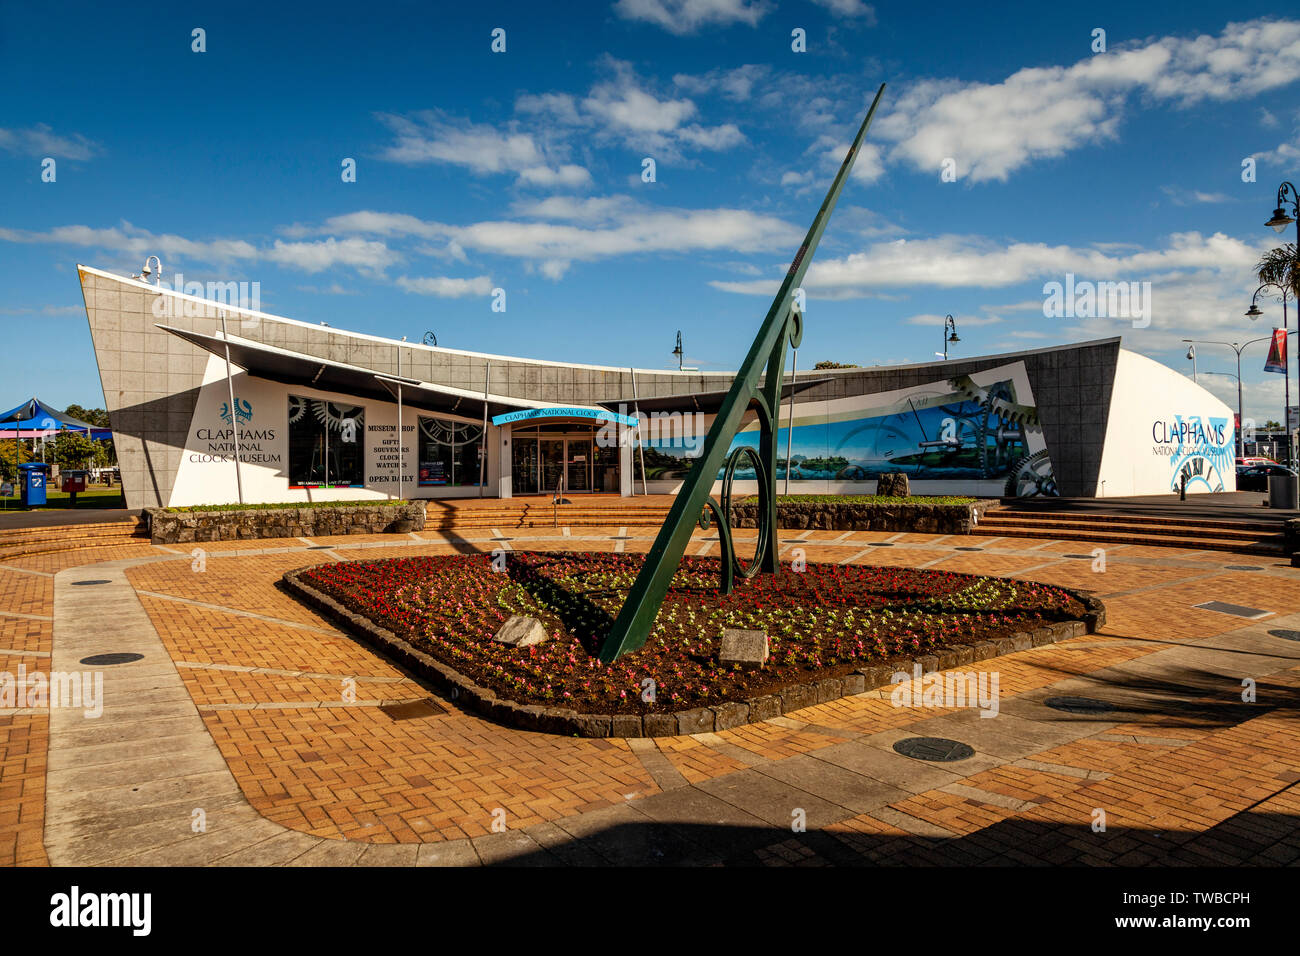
x=95 y=496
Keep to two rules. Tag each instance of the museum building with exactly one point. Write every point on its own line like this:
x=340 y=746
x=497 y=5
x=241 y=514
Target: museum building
x=212 y=403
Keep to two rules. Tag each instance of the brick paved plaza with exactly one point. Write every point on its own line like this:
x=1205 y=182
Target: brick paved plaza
x=281 y=729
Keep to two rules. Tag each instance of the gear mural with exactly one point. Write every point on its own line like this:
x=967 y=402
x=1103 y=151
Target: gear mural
x=978 y=430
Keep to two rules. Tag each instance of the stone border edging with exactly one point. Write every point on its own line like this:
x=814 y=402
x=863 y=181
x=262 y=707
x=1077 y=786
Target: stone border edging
x=697 y=720
x=918 y=517
x=186 y=527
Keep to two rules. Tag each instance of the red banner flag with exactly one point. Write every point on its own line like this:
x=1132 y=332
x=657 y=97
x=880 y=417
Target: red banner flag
x=1276 y=361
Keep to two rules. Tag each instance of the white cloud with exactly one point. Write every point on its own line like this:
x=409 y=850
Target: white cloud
x=591 y=234
x=993 y=129
x=849 y=9
x=40 y=141
x=136 y=242
x=735 y=84
x=688 y=16
x=430 y=137
x=314 y=256
x=1285 y=154
x=622 y=104
x=625 y=109
x=365 y=255
x=977 y=262
x=445 y=287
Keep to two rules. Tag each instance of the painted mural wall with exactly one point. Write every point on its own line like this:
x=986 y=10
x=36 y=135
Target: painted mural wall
x=973 y=434
x=1162 y=427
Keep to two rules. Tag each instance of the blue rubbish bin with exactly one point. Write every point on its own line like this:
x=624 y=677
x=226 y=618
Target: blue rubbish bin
x=32 y=479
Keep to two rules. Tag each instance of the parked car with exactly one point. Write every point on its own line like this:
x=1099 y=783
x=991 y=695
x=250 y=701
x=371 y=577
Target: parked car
x=1251 y=460
x=1255 y=477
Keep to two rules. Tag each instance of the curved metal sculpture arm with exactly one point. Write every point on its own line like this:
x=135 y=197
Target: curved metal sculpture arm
x=783 y=326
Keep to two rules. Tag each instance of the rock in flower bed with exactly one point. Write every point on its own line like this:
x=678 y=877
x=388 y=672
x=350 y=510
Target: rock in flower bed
x=828 y=623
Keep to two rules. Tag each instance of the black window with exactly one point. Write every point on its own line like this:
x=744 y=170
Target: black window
x=326 y=448
x=449 y=452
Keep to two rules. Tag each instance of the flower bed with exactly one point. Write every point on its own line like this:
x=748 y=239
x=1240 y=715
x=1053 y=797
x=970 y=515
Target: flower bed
x=846 y=624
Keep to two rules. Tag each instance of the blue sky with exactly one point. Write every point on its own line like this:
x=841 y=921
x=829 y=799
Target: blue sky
x=522 y=171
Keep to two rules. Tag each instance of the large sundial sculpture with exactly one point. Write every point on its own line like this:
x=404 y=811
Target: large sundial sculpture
x=783 y=327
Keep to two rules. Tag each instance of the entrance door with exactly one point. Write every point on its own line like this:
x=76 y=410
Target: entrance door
x=552 y=459
x=579 y=459
x=523 y=466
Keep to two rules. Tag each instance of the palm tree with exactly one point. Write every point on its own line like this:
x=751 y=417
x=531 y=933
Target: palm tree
x=1278 y=266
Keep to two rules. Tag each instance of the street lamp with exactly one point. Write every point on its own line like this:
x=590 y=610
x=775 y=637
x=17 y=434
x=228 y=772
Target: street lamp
x=1278 y=223
x=1280 y=219
x=1191 y=354
x=1254 y=313
x=949 y=334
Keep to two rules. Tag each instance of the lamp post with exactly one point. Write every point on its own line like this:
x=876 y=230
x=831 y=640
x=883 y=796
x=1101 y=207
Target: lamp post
x=949 y=334
x=1278 y=223
x=1254 y=313
x=1191 y=354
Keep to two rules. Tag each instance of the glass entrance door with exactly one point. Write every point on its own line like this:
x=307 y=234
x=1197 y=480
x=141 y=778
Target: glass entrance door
x=523 y=466
x=538 y=463
x=551 y=451
x=579 y=459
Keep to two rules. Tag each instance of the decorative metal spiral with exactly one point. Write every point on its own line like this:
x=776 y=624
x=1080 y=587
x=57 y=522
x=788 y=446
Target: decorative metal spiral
x=730 y=564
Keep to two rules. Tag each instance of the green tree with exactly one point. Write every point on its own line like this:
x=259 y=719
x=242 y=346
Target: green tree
x=73 y=450
x=834 y=365
x=104 y=456
x=7 y=465
x=1278 y=266
x=91 y=416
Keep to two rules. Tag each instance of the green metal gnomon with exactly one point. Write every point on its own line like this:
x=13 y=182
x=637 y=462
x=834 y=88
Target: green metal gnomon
x=781 y=329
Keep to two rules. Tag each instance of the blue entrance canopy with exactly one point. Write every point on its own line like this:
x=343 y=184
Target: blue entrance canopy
x=34 y=415
x=593 y=414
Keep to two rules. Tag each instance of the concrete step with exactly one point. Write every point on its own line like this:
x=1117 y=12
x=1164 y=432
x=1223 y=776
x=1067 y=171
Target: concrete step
x=1224 y=530
x=1266 y=525
x=1174 y=539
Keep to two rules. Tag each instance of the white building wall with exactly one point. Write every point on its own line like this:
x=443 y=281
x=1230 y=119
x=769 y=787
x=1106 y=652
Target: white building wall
x=206 y=474
x=1162 y=424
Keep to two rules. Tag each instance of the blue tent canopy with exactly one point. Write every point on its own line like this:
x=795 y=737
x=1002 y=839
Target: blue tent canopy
x=35 y=415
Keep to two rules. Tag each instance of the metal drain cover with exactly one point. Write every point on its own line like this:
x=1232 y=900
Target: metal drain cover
x=1080 y=557
x=1079 y=705
x=92 y=581
x=320 y=547
x=107 y=660
x=968 y=549
x=935 y=749
x=1236 y=610
x=1286 y=635
x=1242 y=567
x=879 y=544
x=413 y=709
x=796 y=541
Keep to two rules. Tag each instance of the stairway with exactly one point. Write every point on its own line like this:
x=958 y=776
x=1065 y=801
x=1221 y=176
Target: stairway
x=54 y=539
x=541 y=513
x=1242 y=536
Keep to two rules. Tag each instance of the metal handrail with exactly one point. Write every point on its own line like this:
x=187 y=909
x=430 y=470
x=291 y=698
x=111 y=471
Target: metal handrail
x=559 y=494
